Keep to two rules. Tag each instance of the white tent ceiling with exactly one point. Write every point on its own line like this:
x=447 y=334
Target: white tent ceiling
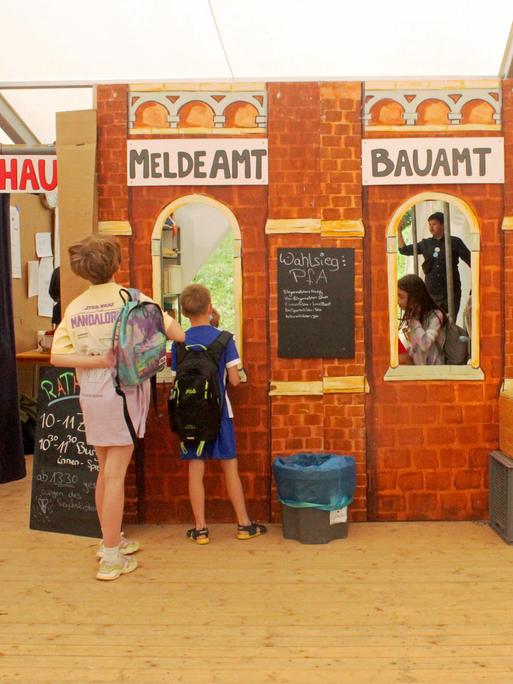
x=168 y=40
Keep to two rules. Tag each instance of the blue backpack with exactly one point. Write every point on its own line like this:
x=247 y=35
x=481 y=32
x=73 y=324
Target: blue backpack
x=139 y=345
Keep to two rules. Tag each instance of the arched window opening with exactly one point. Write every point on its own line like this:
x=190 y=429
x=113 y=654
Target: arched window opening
x=197 y=240
x=425 y=235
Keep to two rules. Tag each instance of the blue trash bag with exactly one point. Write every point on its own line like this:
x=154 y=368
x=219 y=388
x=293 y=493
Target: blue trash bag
x=323 y=481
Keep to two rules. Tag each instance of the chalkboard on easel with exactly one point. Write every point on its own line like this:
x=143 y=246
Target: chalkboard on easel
x=65 y=466
x=316 y=303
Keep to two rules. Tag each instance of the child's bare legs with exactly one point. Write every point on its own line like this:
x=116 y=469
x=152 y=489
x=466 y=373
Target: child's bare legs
x=197 y=492
x=99 y=490
x=110 y=490
x=235 y=491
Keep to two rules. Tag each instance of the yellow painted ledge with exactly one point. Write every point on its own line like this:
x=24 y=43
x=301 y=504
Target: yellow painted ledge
x=297 y=225
x=507 y=388
x=453 y=128
x=337 y=229
x=348 y=384
x=222 y=86
x=433 y=84
x=426 y=373
x=114 y=228
x=195 y=130
x=347 y=228
x=507 y=223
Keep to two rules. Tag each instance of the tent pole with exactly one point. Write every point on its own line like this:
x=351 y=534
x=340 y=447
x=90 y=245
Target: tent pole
x=414 y=241
x=27 y=149
x=448 y=262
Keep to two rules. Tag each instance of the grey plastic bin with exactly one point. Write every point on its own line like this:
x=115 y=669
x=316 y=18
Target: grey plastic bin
x=313 y=488
x=311 y=525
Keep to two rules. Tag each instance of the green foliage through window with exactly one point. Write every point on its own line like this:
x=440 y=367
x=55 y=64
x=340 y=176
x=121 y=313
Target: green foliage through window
x=217 y=275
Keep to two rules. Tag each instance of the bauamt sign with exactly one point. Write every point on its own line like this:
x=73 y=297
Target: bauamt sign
x=400 y=161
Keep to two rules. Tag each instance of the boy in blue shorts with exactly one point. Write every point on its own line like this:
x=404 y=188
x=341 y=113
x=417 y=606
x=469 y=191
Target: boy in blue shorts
x=196 y=305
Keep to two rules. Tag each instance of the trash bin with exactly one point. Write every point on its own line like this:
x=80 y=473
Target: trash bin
x=315 y=490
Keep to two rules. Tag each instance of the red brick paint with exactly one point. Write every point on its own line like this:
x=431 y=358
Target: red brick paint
x=432 y=427
x=411 y=464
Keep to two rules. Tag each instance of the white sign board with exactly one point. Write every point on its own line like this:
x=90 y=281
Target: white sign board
x=218 y=161
x=44 y=301
x=15 y=243
x=415 y=161
x=28 y=173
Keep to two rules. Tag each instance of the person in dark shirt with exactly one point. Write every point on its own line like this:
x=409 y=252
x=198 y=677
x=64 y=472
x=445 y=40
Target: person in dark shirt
x=433 y=251
x=54 y=290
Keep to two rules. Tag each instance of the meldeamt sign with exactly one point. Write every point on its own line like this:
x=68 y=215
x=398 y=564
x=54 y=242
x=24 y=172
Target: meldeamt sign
x=220 y=161
x=400 y=161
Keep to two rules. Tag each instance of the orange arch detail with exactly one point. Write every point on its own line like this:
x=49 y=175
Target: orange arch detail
x=151 y=115
x=432 y=112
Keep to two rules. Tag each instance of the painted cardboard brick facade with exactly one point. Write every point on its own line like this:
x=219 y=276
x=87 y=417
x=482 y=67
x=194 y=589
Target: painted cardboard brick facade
x=411 y=464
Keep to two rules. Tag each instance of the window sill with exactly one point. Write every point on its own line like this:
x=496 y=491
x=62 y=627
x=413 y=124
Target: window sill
x=433 y=373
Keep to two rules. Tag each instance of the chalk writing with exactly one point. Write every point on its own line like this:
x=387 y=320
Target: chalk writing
x=65 y=466
x=316 y=302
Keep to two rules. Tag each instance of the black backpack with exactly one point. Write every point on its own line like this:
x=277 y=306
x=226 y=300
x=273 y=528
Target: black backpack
x=196 y=400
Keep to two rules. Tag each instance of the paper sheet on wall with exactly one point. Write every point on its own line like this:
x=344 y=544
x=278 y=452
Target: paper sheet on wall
x=33 y=278
x=56 y=240
x=44 y=301
x=15 y=242
x=44 y=245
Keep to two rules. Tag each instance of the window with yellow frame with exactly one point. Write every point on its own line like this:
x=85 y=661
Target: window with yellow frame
x=415 y=222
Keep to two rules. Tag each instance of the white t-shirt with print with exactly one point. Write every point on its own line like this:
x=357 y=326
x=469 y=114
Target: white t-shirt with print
x=88 y=322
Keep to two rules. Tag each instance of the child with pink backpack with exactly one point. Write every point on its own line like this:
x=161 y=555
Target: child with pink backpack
x=115 y=338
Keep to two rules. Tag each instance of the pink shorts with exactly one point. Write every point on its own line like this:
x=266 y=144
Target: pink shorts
x=102 y=408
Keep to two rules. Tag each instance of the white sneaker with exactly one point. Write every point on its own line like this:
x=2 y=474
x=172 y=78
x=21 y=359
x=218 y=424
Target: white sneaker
x=111 y=571
x=126 y=546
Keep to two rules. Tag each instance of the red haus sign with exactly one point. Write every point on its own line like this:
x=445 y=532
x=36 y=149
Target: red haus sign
x=28 y=173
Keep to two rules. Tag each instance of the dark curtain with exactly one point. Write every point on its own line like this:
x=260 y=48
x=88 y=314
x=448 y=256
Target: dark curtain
x=12 y=461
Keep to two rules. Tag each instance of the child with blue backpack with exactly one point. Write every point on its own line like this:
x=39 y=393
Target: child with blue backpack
x=203 y=339
x=83 y=340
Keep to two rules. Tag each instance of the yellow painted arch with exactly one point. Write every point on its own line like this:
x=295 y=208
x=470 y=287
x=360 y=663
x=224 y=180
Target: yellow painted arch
x=391 y=233
x=156 y=237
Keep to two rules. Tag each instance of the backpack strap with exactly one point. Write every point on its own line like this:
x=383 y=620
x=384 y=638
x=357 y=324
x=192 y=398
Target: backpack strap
x=127 y=295
x=180 y=350
x=126 y=414
x=217 y=347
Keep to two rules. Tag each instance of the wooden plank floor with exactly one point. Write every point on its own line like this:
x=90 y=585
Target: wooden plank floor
x=405 y=602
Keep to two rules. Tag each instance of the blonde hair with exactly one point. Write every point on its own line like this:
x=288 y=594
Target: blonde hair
x=95 y=258
x=195 y=300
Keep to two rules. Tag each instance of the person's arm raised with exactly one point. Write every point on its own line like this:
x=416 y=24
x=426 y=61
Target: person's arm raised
x=174 y=331
x=82 y=361
x=400 y=239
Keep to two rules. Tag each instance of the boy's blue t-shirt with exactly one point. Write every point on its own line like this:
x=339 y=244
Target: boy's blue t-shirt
x=205 y=335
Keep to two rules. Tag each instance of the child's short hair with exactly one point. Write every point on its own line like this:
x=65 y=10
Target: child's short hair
x=215 y=318
x=195 y=300
x=95 y=258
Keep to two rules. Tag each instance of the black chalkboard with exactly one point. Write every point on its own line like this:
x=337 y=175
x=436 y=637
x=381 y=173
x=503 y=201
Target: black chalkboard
x=65 y=466
x=316 y=303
